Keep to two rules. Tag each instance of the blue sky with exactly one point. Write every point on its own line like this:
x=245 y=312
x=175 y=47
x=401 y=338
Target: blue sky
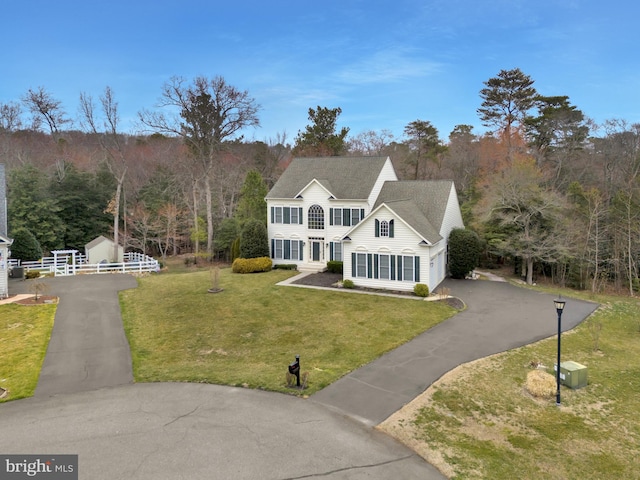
x=385 y=63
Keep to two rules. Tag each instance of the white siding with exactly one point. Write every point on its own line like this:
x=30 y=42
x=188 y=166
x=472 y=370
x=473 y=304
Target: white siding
x=404 y=242
x=452 y=216
x=387 y=174
x=103 y=252
x=314 y=194
x=4 y=271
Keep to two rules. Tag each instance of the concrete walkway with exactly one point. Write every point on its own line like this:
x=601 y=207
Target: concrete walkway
x=499 y=317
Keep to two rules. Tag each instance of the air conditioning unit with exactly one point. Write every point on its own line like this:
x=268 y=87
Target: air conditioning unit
x=572 y=374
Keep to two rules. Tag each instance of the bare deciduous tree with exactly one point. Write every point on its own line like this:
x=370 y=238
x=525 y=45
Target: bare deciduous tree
x=205 y=114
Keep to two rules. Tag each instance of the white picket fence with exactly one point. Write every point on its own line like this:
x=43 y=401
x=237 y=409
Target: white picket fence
x=133 y=263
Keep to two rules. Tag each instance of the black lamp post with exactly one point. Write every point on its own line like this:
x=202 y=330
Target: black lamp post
x=559 y=303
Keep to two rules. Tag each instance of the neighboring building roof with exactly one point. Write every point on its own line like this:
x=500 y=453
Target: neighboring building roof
x=349 y=178
x=97 y=241
x=421 y=204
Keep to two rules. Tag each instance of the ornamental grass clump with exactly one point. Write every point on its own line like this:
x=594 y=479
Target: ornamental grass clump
x=541 y=384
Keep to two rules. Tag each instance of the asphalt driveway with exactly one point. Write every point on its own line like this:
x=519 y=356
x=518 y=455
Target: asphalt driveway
x=499 y=317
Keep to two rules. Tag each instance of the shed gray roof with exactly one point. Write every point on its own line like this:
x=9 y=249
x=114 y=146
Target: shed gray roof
x=97 y=241
x=422 y=204
x=345 y=177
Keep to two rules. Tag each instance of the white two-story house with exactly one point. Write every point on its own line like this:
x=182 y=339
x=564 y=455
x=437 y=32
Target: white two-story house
x=389 y=234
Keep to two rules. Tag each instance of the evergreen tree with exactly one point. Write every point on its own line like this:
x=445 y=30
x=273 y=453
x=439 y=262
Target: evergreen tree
x=464 y=252
x=25 y=246
x=81 y=199
x=31 y=206
x=320 y=137
x=252 y=195
x=254 y=241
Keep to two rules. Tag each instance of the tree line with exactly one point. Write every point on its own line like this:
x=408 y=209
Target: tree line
x=545 y=187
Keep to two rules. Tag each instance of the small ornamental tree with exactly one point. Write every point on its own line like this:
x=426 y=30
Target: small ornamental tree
x=25 y=246
x=254 y=241
x=464 y=252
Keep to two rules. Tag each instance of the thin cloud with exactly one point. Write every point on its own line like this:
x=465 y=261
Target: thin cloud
x=387 y=66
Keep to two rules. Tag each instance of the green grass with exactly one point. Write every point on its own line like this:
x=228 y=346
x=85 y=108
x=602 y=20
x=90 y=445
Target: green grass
x=485 y=425
x=248 y=334
x=24 y=336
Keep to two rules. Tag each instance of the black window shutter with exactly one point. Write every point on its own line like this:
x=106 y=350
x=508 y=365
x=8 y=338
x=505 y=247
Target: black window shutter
x=346 y=217
x=331 y=251
x=377 y=227
x=400 y=267
x=391 y=228
x=286 y=215
x=300 y=249
x=416 y=273
x=392 y=267
x=353 y=265
x=331 y=216
x=287 y=249
x=361 y=214
x=273 y=246
x=369 y=266
x=273 y=215
x=375 y=266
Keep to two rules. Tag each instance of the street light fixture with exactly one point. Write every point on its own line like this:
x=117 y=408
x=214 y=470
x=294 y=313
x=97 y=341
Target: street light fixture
x=559 y=303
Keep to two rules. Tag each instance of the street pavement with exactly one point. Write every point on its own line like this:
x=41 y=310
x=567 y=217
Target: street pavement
x=86 y=403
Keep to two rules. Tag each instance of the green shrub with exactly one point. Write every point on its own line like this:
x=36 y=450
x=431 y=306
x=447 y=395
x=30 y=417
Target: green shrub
x=421 y=290
x=251 y=265
x=29 y=274
x=334 y=266
x=464 y=252
x=348 y=283
x=286 y=266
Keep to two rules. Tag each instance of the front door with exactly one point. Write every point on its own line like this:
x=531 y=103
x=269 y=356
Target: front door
x=315 y=250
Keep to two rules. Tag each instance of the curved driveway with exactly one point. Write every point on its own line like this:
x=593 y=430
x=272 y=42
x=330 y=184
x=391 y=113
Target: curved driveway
x=84 y=404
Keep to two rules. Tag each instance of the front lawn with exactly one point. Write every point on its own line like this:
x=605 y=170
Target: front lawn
x=24 y=336
x=248 y=334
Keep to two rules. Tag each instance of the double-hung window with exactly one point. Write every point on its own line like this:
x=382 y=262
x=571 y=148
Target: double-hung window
x=335 y=251
x=384 y=266
x=408 y=268
x=278 y=253
x=337 y=216
x=355 y=216
x=361 y=265
x=277 y=218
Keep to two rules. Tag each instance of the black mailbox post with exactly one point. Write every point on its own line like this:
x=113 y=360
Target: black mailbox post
x=294 y=369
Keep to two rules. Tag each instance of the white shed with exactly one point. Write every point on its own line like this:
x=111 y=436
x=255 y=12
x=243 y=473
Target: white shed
x=5 y=243
x=101 y=250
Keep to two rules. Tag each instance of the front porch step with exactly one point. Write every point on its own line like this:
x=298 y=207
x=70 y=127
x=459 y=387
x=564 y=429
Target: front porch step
x=312 y=268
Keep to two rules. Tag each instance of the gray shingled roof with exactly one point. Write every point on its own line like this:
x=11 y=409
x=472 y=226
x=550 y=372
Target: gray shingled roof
x=422 y=204
x=349 y=178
